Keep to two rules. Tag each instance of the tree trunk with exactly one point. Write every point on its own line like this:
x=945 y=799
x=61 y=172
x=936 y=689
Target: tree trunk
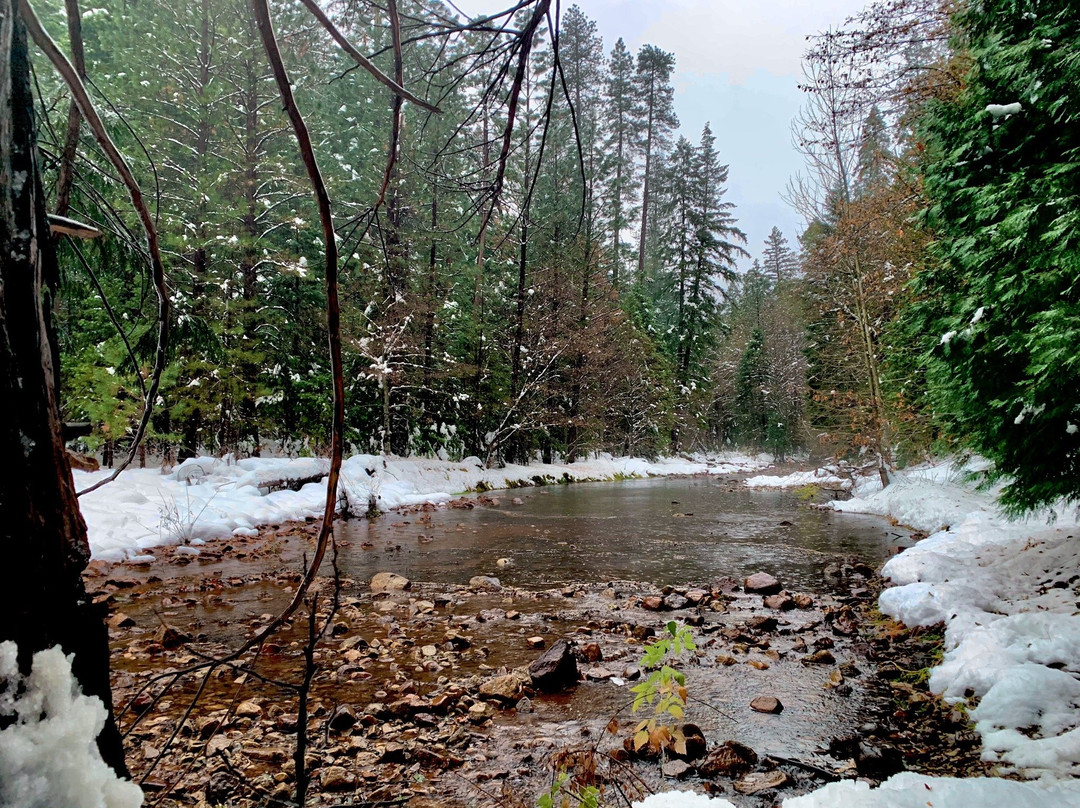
x=42 y=532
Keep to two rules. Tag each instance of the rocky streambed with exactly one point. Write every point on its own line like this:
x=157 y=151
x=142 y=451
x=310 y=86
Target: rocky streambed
x=479 y=693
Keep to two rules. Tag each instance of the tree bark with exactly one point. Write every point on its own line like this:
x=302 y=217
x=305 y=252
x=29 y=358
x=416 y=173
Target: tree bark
x=42 y=532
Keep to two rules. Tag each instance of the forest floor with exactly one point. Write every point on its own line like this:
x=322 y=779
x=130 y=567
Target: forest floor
x=423 y=696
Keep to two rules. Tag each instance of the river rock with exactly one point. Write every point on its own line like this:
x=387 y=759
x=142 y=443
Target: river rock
x=675 y=601
x=336 y=778
x=507 y=688
x=485 y=582
x=652 y=603
x=694 y=739
x=479 y=712
x=767 y=704
x=599 y=674
x=120 y=620
x=591 y=652
x=726 y=585
x=343 y=718
x=761 y=623
x=781 y=602
x=730 y=759
x=821 y=657
x=536 y=642
x=389 y=582
x=676 y=769
x=248 y=709
x=756 y=782
x=761 y=583
x=802 y=600
x=555 y=669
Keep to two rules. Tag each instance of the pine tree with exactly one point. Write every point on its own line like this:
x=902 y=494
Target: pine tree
x=621 y=146
x=658 y=119
x=778 y=261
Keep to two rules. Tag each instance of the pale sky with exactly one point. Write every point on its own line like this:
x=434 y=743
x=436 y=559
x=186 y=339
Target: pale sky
x=737 y=67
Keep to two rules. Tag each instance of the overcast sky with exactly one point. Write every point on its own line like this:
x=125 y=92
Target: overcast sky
x=737 y=67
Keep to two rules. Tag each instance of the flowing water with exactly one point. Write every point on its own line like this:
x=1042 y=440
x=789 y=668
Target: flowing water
x=661 y=531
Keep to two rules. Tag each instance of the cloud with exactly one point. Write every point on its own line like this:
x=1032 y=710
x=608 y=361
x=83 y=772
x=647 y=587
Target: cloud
x=730 y=37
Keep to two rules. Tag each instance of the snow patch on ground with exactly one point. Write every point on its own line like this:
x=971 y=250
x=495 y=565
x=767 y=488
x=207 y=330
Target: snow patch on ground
x=210 y=498
x=821 y=476
x=1008 y=593
x=49 y=755
x=910 y=790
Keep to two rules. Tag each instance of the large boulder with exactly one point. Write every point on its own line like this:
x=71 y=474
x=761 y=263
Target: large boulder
x=389 y=582
x=555 y=669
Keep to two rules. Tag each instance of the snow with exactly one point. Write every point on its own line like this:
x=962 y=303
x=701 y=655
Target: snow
x=1007 y=593
x=798 y=479
x=207 y=498
x=681 y=799
x=910 y=790
x=1001 y=110
x=49 y=755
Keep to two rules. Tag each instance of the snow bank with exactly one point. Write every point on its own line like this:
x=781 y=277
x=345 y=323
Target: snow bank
x=821 y=476
x=910 y=790
x=1008 y=593
x=208 y=498
x=49 y=755
x=681 y=799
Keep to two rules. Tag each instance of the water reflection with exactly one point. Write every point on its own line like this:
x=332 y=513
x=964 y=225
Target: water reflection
x=662 y=531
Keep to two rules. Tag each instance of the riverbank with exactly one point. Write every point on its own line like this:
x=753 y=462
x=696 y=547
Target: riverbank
x=1006 y=595
x=210 y=498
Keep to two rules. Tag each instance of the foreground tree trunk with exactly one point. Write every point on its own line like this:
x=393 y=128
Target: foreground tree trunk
x=42 y=534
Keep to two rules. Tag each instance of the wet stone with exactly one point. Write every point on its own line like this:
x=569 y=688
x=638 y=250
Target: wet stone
x=766 y=704
x=336 y=778
x=555 y=669
x=389 y=582
x=761 y=583
x=730 y=759
x=676 y=601
x=780 y=602
x=676 y=769
x=756 y=782
x=343 y=719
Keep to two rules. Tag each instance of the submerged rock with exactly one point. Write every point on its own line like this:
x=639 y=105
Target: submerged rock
x=760 y=781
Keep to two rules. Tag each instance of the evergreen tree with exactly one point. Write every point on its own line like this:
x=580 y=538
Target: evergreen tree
x=778 y=261
x=1002 y=315
x=621 y=146
x=658 y=120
